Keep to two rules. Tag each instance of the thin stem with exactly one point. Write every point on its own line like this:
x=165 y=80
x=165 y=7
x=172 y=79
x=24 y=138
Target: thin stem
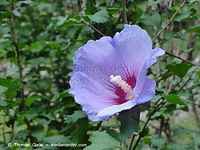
x=178 y=57
x=19 y=63
x=17 y=50
x=159 y=104
x=132 y=139
x=91 y=26
x=146 y=123
x=170 y=20
x=124 y=11
x=165 y=26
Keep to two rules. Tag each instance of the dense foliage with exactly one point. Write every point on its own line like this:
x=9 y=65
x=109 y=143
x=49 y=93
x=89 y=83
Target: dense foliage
x=38 y=39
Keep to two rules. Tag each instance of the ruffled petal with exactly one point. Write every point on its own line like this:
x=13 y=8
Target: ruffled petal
x=156 y=52
x=142 y=75
x=134 y=47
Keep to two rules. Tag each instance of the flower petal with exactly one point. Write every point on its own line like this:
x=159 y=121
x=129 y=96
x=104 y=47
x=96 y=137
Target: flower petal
x=98 y=59
x=91 y=95
x=133 y=46
x=142 y=75
x=108 y=111
x=156 y=52
x=148 y=91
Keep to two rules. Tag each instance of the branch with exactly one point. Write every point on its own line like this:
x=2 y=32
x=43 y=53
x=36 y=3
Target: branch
x=170 y=20
x=19 y=63
x=164 y=27
x=17 y=50
x=159 y=104
x=91 y=26
x=124 y=11
x=178 y=57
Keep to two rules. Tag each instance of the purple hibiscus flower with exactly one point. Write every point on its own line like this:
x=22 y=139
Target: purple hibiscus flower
x=109 y=74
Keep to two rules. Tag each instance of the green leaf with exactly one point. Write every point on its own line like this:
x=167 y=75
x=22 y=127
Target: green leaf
x=100 y=17
x=174 y=99
x=29 y=100
x=102 y=140
x=198 y=73
x=17 y=13
x=12 y=70
x=39 y=60
x=153 y=20
x=183 y=16
x=37 y=46
x=195 y=28
x=129 y=120
x=57 y=139
x=9 y=83
x=179 y=69
x=2 y=89
x=4 y=2
x=75 y=116
x=3 y=103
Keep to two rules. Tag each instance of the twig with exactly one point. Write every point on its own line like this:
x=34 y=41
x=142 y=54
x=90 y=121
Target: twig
x=159 y=104
x=91 y=26
x=178 y=57
x=163 y=28
x=132 y=139
x=19 y=63
x=147 y=121
x=170 y=20
x=17 y=50
x=124 y=11
x=112 y=2
x=195 y=112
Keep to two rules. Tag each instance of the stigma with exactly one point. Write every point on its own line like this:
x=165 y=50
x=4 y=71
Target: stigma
x=117 y=80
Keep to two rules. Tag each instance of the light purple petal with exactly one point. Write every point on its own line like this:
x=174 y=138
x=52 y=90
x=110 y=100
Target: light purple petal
x=148 y=91
x=156 y=52
x=90 y=94
x=128 y=54
x=108 y=111
x=98 y=59
x=134 y=47
x=142 y=75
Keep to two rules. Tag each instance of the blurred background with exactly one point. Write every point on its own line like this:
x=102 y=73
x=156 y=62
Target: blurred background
x=38 y=39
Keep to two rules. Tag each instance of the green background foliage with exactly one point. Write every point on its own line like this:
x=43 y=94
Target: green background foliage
x=38 y=39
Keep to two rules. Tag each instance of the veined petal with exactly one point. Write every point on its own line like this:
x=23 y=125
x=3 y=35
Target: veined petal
x=134 y=47
x=98 y=59
x=90 y=94
x=142 y=75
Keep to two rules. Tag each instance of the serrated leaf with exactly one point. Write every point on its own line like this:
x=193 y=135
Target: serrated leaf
x=174 y=99
x=100 y=17
x=102 y=140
